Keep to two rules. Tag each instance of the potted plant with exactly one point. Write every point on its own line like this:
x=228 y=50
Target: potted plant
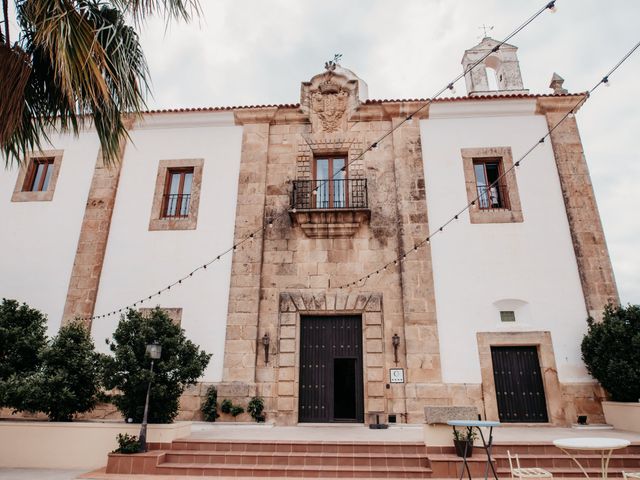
x=610 y=352
x=463 y=440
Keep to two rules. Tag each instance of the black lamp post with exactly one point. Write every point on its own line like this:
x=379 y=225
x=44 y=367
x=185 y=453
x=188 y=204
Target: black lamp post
x=265 y=342
x=395 y=341
x=154 y=350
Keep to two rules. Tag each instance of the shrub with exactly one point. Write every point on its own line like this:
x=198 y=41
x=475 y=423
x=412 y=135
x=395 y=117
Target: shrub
x=255 y=409
x=68 y=381
x=210 y=406
x=127 y=444
x=611 y=352
x=236 y=410
x=180 y=366
x=226 y=405
x=22 y=338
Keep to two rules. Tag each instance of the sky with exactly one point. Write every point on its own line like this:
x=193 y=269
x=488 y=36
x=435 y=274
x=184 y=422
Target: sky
x=248 y=52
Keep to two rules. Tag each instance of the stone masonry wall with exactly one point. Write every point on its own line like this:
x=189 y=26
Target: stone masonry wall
x=590 y=246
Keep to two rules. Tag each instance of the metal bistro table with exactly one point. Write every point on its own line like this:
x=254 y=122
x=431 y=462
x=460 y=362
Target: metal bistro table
x=605 y=446
x=486 y=444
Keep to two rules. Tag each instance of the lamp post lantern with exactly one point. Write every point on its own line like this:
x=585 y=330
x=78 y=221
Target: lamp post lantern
x=395 y=341
x=265 y=343
x=154 y=350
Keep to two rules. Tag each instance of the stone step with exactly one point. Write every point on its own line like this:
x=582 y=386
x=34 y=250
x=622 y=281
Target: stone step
x=595 y=473
x=447 y=465
x=562 y=460
x=263 y=471
x=297 y=458
x=300 y=447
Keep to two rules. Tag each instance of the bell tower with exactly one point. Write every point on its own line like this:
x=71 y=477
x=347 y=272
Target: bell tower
x=499 y=73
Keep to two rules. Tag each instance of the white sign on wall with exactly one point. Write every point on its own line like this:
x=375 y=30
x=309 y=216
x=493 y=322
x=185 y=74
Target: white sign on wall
x=396 y=375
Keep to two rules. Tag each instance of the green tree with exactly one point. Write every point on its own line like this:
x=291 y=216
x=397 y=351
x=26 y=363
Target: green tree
x=611 y=352
x=75 y=62
x=22 y=337
x=68 y=381
x=181 y=364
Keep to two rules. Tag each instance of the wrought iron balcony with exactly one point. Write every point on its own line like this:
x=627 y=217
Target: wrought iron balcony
x=329 y=194
x=176 y=205
x=330 y=208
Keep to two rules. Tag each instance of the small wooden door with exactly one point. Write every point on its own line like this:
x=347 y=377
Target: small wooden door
x=519 y=385
x=331 y=388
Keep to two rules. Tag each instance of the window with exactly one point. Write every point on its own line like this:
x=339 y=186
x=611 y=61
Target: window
x=507 y=316
x=177 y=196
x=37 y=177
x=494 y=198
x=330 y=186
x=492 y=189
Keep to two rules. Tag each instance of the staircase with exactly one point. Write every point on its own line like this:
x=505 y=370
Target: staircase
x=445 y=464
x=277 y=459
x=240 y=458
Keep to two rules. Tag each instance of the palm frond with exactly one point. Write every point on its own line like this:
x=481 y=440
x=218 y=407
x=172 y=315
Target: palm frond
x=87 y=65
x=169 y=9
x=14 y=76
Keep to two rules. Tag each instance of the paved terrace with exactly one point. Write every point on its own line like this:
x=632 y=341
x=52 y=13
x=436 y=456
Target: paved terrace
x=395 y=433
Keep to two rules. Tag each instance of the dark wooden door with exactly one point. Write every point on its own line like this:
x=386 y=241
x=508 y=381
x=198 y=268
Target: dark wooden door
x=519 y=386
x=331 y=388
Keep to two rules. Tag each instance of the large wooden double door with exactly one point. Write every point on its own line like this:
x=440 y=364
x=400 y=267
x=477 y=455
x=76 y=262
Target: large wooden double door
x=331 y=386
x=519 y=385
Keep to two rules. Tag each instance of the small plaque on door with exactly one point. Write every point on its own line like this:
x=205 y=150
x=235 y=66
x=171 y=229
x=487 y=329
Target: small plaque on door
x=396 y=375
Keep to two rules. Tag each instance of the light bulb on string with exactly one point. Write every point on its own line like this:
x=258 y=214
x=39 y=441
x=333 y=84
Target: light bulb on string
x=452 y=88
x=552 y=7
x=606 y=82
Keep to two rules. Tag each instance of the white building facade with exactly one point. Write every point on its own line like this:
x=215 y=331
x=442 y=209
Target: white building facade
x=506 y=286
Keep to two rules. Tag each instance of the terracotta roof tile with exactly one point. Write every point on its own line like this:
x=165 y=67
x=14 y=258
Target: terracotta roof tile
x=369 y=102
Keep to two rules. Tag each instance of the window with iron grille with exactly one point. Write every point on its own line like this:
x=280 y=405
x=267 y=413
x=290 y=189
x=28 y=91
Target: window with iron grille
x=177 y=193
x=38 y=175
x=330 y=189
x=490 y=185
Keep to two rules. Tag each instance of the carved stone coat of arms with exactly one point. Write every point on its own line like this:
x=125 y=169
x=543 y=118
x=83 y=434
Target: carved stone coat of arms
x=330 y=108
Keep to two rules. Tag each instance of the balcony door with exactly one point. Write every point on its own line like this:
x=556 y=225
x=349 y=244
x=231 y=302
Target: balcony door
x=330 y=182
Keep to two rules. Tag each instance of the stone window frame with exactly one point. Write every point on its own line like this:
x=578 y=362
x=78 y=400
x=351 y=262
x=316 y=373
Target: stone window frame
x=190 y=222
x=20 y=195
x=546 y=356
x=512 y=214
x=174 y=313
x=292 y=305
x=321 y=146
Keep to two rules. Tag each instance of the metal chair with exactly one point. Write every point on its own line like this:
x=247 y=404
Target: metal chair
x=520 y=472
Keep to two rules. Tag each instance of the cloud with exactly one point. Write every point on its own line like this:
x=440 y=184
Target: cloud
x=257 y=52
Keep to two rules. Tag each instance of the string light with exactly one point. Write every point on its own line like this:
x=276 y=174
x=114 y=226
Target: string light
x=569 y=114
x=437 y=94
x=375 y=144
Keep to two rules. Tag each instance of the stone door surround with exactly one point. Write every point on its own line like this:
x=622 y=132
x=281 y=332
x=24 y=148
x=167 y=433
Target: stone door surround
x=305 y=302
x=541 y=340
